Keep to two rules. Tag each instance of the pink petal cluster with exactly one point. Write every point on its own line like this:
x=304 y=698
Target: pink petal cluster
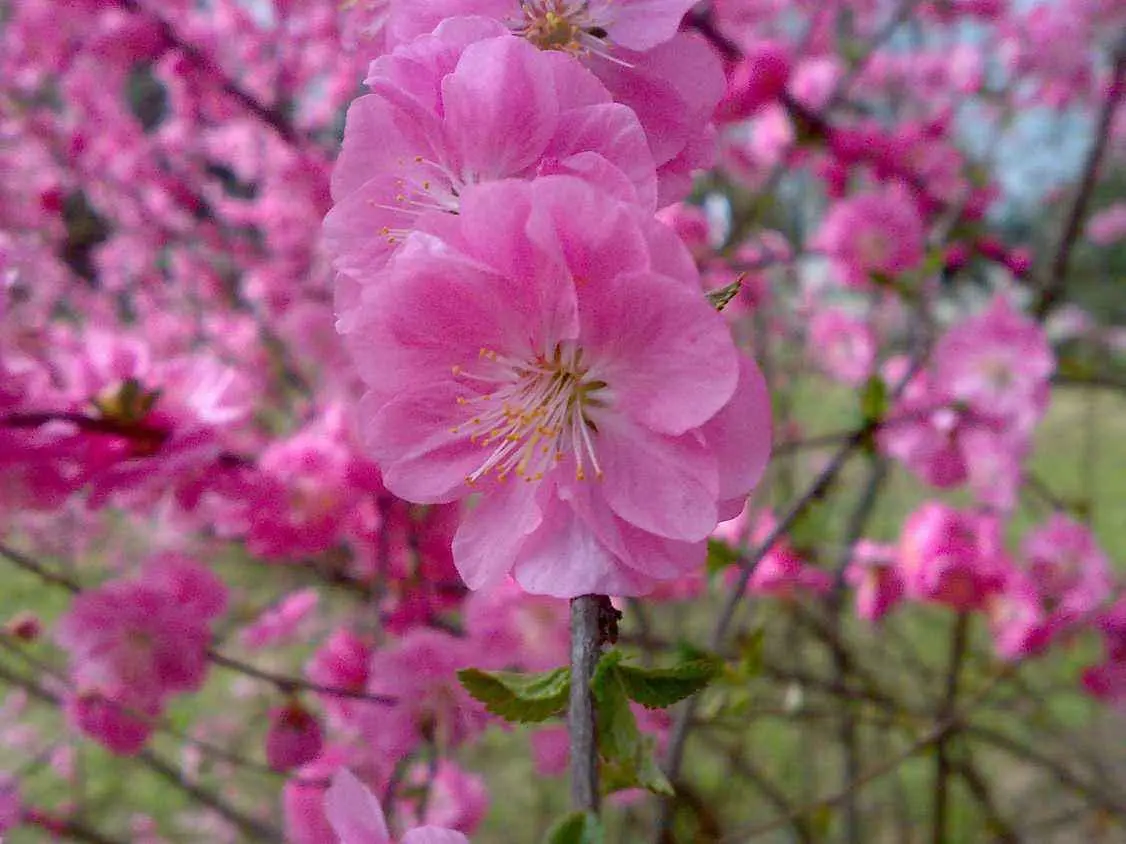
x=874 y=572
x=464 y=105
x=969 y=418
x=549 y=348
x=951 y=557
x=134 y=643
x=872 y=236
x=671 y=79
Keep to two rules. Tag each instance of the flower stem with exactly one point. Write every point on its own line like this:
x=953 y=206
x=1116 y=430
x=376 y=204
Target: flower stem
x=586 y=647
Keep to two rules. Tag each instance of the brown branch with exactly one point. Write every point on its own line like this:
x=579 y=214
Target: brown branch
x=1055 y=282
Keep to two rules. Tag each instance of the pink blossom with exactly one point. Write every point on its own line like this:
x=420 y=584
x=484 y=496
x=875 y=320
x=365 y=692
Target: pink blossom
x=294 y=737
x=575 y=26
x=342 y=662
x=518 y=631
x=845 y=346
x=357 y=818
x=10 y=805
x=757 y=79
x=877 y=579
x=281 y=622
x=1016 y=619
x=950 y=557
x=465 y=105
x=122 y=725
x=1107 y=680
x=874 y=234
x=132 y=643
x=1068 y=571
x=1108 y=225
x=457 y=800
x=419 y=672
x=599 y=406
x=997 y=364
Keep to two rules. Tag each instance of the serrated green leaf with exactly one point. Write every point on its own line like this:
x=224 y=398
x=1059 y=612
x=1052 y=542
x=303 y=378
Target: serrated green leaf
x=575 y=828
x=657 y=688
x=522 y=698
x=628 y=756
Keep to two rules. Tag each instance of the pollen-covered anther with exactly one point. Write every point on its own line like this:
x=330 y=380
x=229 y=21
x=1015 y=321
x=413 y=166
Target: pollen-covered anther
x=536 y=414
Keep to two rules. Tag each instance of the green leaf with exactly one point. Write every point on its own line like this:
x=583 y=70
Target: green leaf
x=721 y=297
x=576 y=828
x=657 y=688
x=628 y=756
x=523 y=698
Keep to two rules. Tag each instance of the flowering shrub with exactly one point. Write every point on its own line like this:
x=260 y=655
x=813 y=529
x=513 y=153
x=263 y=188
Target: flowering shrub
x=403 y=405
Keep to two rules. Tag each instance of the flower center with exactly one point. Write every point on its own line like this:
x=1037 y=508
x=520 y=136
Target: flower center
x=534 y=414
x=559 y=25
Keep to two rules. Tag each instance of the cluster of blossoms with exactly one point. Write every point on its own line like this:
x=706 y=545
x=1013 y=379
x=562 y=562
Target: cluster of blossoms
x=492 y=379
x=528 y=333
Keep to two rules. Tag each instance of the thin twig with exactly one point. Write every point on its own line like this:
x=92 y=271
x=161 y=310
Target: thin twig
x=1055 y=282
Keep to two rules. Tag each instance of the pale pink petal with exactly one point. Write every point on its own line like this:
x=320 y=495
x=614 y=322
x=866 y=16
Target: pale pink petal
x=434 y=835
x=501 y=108
x=663 y=485
x=413 y=438
x=641 y=24
x=740 y=434
x=353 y=812
x=491 y=533
x=669 y=358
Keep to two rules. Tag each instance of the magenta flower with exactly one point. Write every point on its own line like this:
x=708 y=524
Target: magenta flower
x=133 y=643
x=465 y=105
x=294 y=738
x=951 y=557
x=874 y=575
x=1069 y=573
x=538 y=356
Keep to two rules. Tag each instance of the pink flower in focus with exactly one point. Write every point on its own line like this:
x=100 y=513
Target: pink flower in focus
x=844 y=346
x=554 y=353
x=294 y=737
x=878 y=233
x=574 y=26
x=357 y=818
x=465 y=105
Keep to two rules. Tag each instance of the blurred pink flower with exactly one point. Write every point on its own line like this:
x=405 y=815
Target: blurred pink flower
x=357 y=818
